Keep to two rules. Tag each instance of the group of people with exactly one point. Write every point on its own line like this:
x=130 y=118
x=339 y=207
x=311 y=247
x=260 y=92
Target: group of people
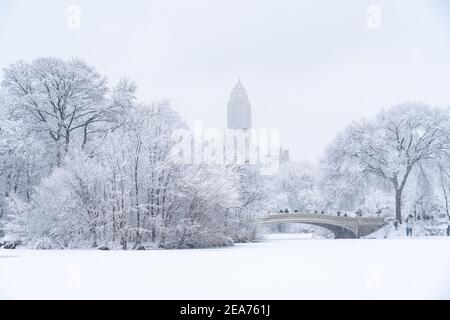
x=287 y=210
x=409 y=226
x=339 y=213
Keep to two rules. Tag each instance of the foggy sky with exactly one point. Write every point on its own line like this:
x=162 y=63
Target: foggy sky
x=309 y=67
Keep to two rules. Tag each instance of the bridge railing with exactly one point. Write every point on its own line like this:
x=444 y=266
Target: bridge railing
x=323 y=217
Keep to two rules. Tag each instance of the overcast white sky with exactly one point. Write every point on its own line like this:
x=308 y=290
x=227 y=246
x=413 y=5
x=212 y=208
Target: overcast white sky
x=310 y=67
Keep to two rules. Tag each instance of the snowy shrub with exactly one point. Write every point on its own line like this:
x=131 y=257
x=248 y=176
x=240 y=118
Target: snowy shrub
x=16 y=223
x=203 y=196
x=432 y=228
x=44 y=243
x=194 y=235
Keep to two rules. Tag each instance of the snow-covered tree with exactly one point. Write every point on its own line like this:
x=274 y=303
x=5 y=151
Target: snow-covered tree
x=242 y=219
x=124 y=190
x=198 y=213
x=296 y=183
x=391 y=145
x=23 y=157
x=62 y=98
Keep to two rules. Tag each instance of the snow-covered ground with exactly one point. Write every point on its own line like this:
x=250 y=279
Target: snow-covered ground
x=420 y=228
x=284 y=267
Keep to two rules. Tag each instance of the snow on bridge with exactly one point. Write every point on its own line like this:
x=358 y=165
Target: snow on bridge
x=342 y=227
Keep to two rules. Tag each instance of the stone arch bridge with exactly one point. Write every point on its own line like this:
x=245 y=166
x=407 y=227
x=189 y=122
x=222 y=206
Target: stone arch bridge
x=342 y=227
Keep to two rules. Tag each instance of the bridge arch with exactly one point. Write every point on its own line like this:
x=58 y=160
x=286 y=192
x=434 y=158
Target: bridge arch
x=342 y=227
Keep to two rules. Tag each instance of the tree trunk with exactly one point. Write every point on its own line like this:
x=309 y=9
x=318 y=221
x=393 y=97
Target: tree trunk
x=136 y=193
x=28 y=193
x=152 y=215
x=94 y=236
x=58 y=157
x=444 y=191
x=67 y=142
x=398 y=206
x=446 y=199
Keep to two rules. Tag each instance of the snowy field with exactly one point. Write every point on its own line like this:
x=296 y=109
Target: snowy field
x=284 y=267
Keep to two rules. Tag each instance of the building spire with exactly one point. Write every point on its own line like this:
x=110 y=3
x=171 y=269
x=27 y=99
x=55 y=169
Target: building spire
x=239 y=84
x=239 y=109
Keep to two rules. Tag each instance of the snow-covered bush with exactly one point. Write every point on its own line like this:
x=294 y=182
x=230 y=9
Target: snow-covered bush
x=43 y=243
x=203 y=195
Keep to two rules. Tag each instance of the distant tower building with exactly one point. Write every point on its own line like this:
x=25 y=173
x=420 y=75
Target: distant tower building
x=239 y=109
x=240 y=118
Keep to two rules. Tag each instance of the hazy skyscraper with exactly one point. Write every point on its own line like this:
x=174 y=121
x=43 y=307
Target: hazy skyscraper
x=239 y=109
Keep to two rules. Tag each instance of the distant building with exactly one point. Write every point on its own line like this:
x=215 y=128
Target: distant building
x=284 y=156
x=239 y=114
x=239 y=109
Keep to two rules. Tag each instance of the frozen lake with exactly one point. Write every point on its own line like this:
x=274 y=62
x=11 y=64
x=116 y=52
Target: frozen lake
x=284 y=267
